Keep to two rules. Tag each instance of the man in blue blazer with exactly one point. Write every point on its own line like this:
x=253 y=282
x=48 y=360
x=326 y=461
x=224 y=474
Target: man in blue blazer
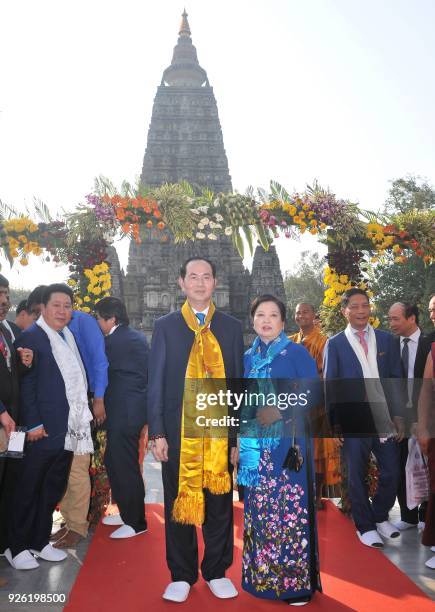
x=43 y=474
x=125 y=405
x=172 y=343
x=366 y=410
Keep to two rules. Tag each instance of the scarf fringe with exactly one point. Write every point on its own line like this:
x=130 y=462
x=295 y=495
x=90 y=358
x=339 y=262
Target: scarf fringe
x=189 y=508
x=218 y=484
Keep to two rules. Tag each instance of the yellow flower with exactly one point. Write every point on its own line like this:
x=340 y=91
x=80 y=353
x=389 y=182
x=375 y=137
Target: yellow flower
x=323 y=226
x=313 y=222
x=302 y=214
x=13 y=253
x=296 y=219
x=22 y=238
x=86 y=298
x=72 y=282
x=86 y=309
x=106 y=285
x=305 y=207
x=311 y=214
x=313 y=231
x=24 y=261
x=87 y=272
x=344 y=278
x=96 y=290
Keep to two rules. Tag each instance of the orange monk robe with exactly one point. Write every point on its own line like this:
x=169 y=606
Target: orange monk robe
x=326 y=455
x=314 y=342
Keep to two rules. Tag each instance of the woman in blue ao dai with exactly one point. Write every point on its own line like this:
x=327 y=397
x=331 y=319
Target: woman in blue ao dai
x=280 y=557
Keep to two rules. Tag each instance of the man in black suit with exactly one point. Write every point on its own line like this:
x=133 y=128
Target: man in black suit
x=125 y=404
x=177 y=346
x=14 y=330
x=11 y=361
x=414 y=347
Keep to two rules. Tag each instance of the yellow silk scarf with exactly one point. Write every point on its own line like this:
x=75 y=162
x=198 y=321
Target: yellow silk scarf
x=203 y=458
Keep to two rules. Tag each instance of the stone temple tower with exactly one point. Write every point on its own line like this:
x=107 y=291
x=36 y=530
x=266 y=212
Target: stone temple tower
x=185 y=143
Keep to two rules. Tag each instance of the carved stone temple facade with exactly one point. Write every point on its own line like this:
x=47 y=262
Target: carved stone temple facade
x=185 y=142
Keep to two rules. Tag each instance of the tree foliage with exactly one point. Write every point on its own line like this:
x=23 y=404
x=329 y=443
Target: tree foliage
x=408 y=193
x=411 y=282
x=305 y=284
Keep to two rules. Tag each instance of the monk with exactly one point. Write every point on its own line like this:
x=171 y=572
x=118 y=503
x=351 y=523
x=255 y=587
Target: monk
x=326 y=454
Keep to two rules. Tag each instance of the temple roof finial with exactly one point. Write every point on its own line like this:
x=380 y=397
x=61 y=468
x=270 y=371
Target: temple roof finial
x=184 y=26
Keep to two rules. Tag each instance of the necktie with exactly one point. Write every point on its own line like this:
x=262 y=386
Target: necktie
x=363 y=341
x=62 y=335
x=405 y=357
x=201 y=317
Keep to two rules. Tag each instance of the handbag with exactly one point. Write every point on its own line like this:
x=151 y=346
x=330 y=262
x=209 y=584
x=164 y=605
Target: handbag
x=417 y=475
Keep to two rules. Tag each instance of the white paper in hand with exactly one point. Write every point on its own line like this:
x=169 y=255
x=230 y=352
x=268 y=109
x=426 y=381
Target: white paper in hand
x=16 y=441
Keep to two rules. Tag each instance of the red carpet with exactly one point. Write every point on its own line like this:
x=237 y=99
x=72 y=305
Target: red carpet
x=130 y=575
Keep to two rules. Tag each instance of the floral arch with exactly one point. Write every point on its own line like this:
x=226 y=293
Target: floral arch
x=355 y=238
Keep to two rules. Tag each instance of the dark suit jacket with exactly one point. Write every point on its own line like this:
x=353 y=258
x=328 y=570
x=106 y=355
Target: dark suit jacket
x=43 y=397
x=346 y=399
x=125 y=397
x=170 y=349
x=9 y=381
x=423 y=349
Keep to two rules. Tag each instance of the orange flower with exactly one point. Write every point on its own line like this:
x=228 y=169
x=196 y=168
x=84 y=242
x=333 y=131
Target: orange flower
x=126 y=228
x=160 y=225
x=149 y=223
x=157 y=213
x=120 y=214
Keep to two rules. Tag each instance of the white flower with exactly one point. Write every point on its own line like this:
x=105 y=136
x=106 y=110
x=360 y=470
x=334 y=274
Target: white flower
x=216 y=202
x=228 y=231
x=218 y=225
x=200 y=235
x=200 y=226
x=218 y=217
x=212 y=237
x=203 y=209
x=194 y=211
x=205 y=221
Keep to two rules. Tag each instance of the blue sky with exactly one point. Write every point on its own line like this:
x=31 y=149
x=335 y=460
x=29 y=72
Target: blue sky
x=338 y=90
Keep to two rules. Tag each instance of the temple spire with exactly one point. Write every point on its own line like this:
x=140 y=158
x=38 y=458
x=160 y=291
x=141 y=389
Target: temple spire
x=184 y=26
x=184 y=70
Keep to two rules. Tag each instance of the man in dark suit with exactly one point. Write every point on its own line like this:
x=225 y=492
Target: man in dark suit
x=11 y=327
x=11 y=362
x=48 y=392
x=414 y=349
x=178 y=340
x=125 y=404
x=367 y=416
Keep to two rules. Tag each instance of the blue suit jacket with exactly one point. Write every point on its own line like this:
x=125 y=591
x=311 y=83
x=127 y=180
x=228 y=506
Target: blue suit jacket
x=43 y=397
x=125 y=397
x=346 y=399
x=170 y=349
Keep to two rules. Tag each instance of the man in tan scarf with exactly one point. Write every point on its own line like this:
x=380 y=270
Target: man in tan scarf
x=326 y=454
x=196 y=342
